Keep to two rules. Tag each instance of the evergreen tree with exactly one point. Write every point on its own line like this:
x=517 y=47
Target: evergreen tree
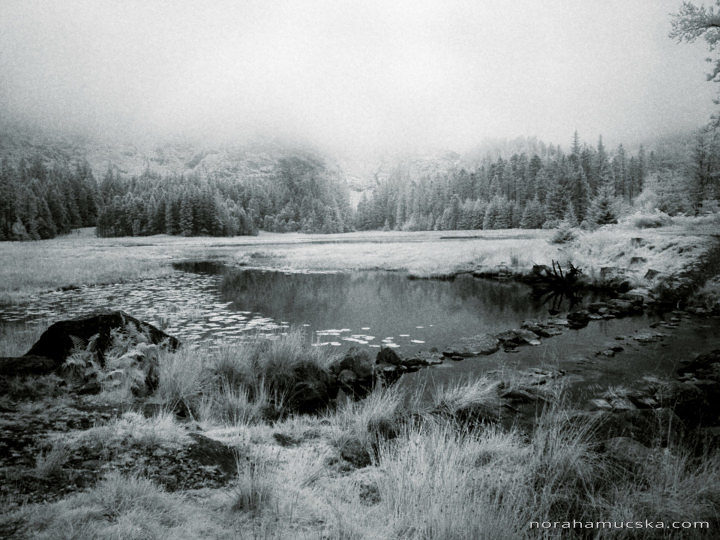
x=534 y=215
x=603 y=209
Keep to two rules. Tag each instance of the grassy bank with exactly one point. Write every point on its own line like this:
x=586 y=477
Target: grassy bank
x=390 y=466
x=82 y=259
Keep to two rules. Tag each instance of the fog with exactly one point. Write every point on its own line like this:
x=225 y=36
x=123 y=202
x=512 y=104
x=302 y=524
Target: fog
x=352 y=76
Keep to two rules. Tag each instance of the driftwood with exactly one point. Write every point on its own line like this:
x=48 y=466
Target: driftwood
x=555 y=284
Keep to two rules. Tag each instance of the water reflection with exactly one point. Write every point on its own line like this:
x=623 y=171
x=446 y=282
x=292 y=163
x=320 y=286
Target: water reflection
x=387 y=307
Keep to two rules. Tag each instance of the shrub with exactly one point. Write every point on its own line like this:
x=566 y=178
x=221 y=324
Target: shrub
x=649 y=221
x=563 y=235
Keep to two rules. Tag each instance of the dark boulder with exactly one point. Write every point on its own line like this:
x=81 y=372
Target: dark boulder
x=94 y=331
x=705 y=366
x=354 y=373
x=26 y=365
x=388 y=356
x=355 y=452
x=614 y=278
x=313 y=389
x=627 y=451
x=208 y=452
x=389 y=367
x=621 y=307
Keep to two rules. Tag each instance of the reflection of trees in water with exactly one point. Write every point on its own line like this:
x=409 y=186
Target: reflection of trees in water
x=275 y=292
x=304 y=296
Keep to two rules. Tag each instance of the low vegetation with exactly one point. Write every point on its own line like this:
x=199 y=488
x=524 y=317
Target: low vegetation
x=394 y=465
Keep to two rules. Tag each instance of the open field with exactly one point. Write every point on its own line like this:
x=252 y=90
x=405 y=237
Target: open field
x=82 y=259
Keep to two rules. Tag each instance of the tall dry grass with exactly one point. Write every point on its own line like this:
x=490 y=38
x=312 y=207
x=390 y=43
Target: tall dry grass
x=239 y=383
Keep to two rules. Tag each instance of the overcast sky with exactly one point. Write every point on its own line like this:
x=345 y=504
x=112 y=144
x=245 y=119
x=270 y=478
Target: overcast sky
x=354 y=75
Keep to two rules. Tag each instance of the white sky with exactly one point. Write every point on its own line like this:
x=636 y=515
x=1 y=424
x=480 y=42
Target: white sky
x=354 y=75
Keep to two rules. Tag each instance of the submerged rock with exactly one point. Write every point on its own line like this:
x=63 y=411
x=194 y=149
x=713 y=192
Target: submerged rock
x=473 y=346
x=516 y=337
x=578 y=319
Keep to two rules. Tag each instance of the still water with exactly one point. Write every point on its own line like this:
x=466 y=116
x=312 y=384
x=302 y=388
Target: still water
x=379 y=308
x=215 y=304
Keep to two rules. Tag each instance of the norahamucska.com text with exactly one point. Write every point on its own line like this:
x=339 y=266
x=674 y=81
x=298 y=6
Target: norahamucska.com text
x=647 y=524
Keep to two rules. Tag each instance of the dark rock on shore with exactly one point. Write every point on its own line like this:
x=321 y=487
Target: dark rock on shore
x=93 y=331
x=314 y=388
x=354 y=373
x=627 y=451
x=88 y=340
x=26 y=365
x=614 y=278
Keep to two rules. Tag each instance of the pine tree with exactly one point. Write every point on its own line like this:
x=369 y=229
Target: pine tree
x=570 y=219
x=533 y=216
x=186 y=216
x=603 y=207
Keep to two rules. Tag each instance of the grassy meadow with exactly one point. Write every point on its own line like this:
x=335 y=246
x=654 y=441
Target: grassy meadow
x=81 y=259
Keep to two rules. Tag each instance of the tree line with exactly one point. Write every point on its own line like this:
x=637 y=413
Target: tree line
x=540 y=186
x=587 y=186
x=38 y=202
x=300 y=194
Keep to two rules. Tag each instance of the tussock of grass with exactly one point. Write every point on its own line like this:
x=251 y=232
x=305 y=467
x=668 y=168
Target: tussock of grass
x=183 y=378
x=134 y=428
x=668 y=487
x=472 y=401
x=246 y=382
x=438 y=482
x=441 y=482
x=50 y=463
x=254 y=492
x=231 y=405
x=366 y=423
